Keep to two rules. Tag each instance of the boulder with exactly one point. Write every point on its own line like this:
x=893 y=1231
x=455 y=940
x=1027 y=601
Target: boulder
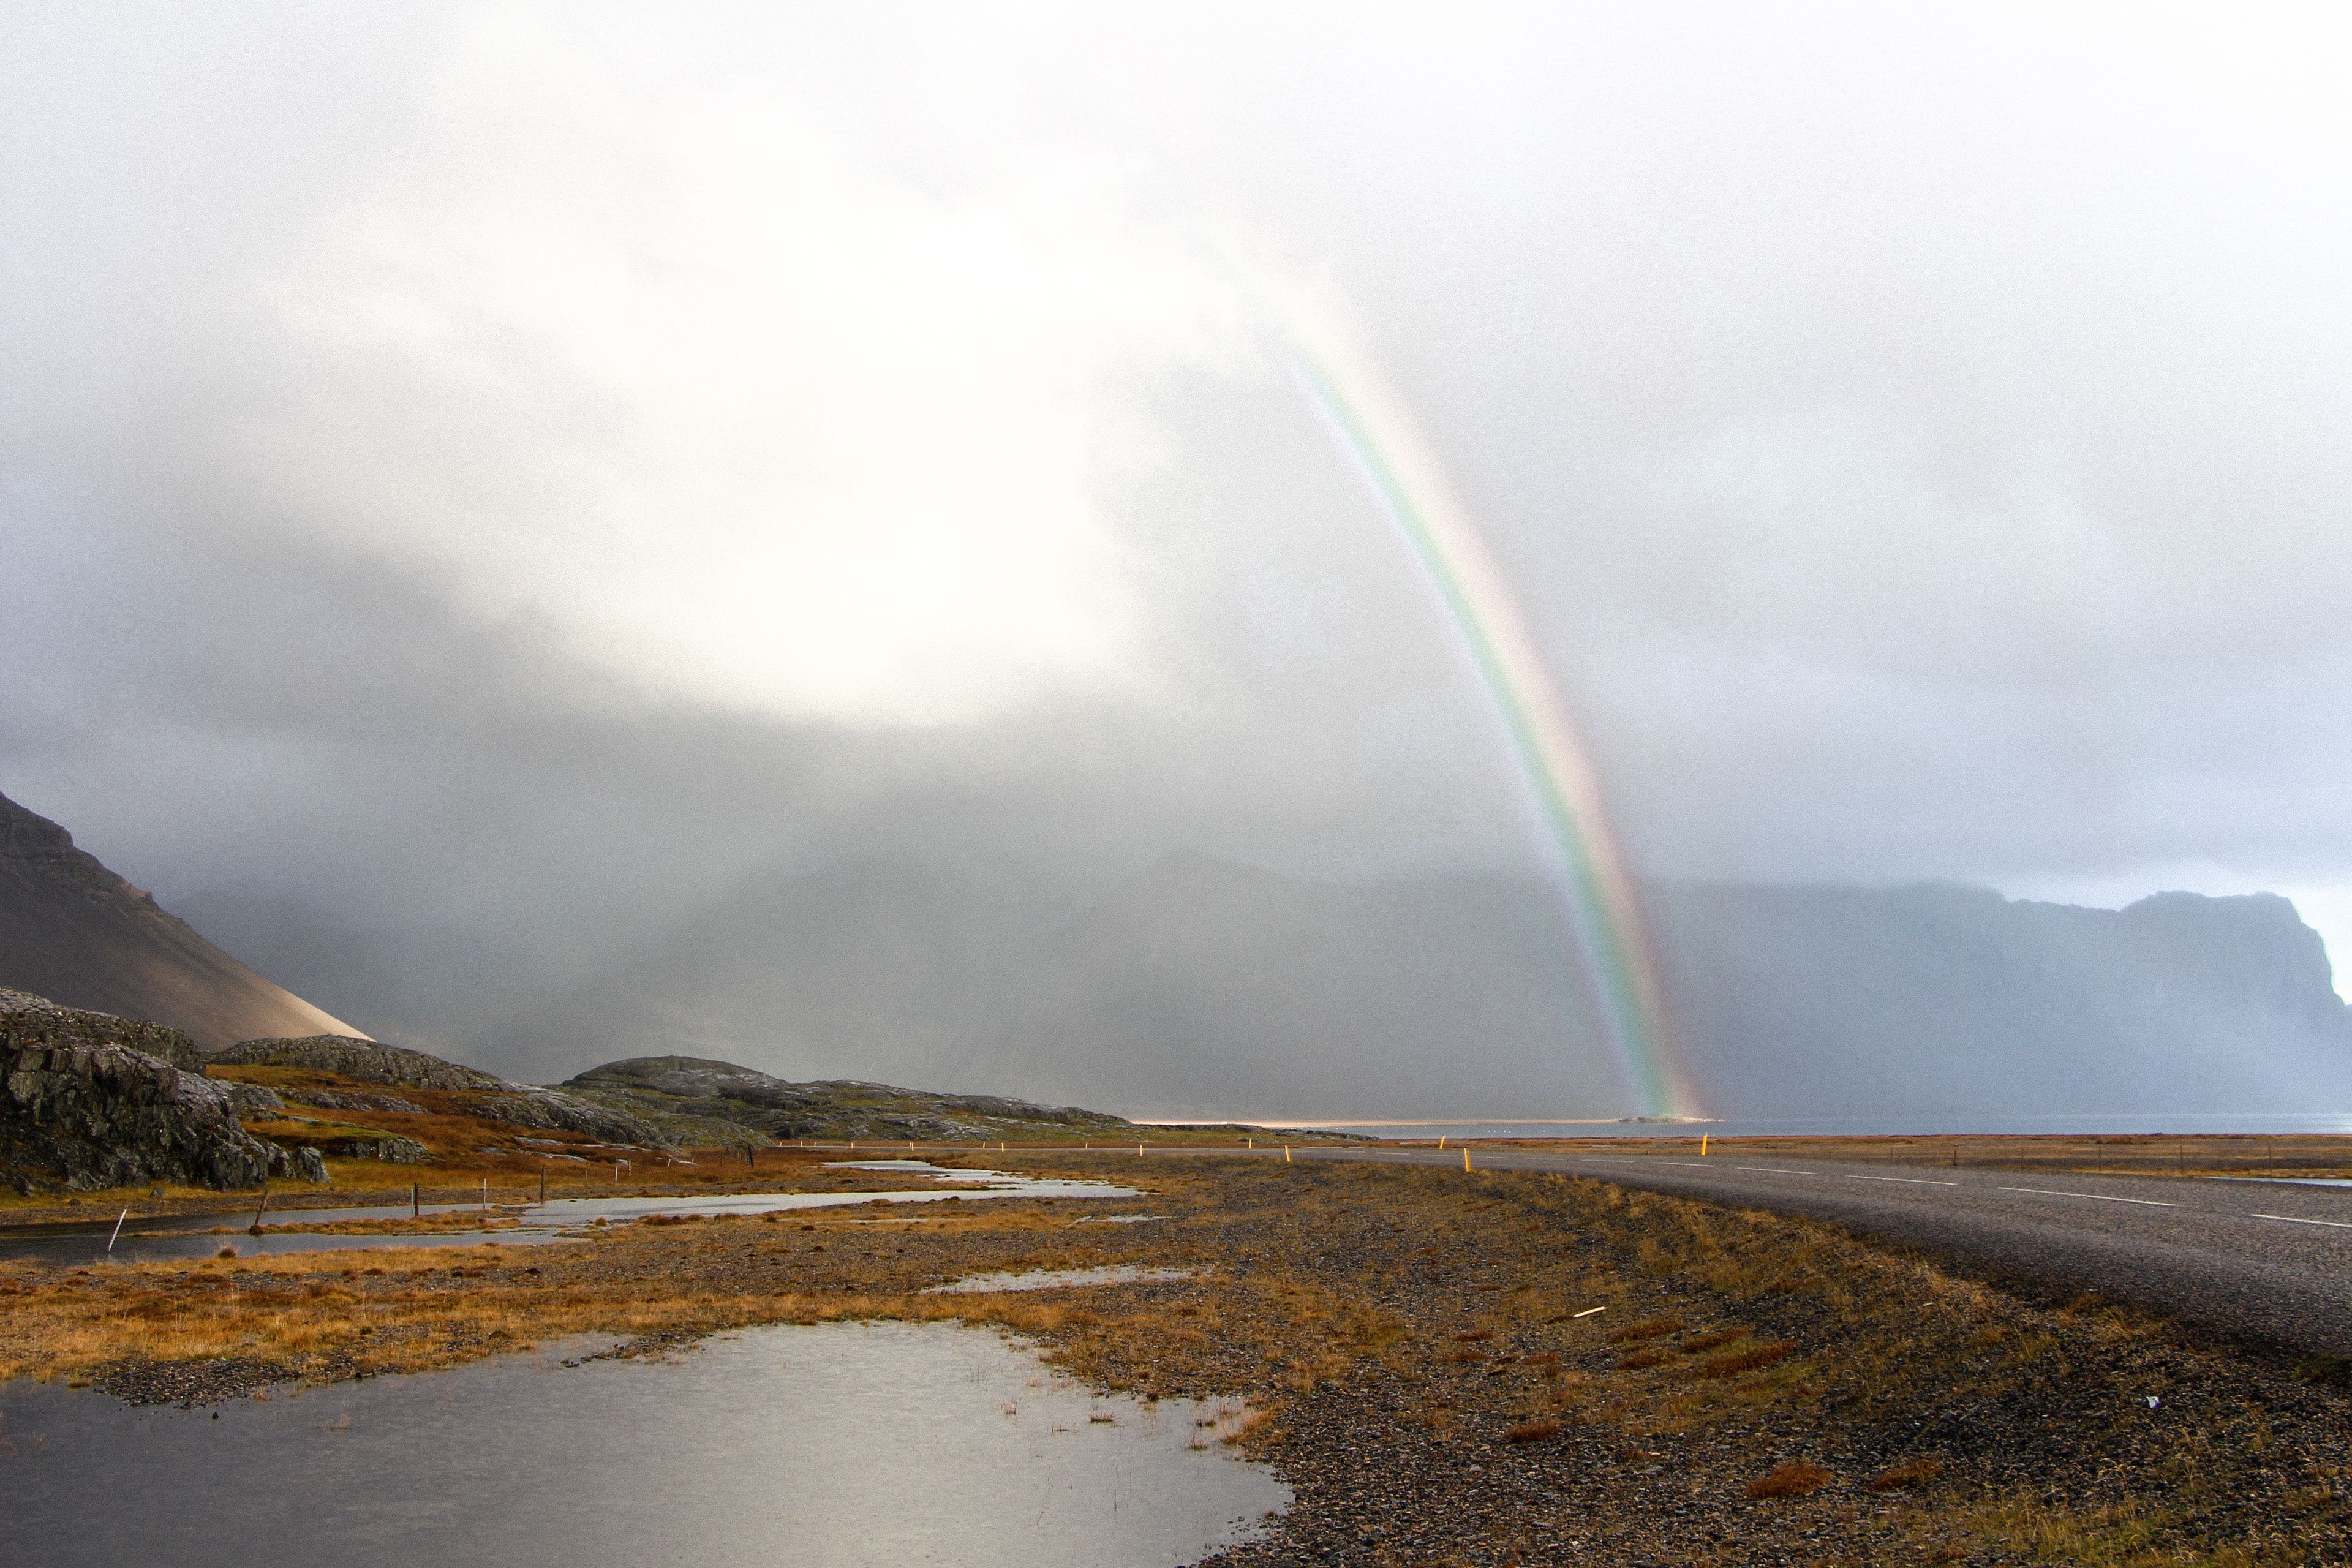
x=252 y=1099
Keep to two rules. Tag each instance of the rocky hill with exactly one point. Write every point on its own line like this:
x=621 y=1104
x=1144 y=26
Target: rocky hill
x=73 y=931
x=481 y=1094
x=88 y=1101
x=700 y=1100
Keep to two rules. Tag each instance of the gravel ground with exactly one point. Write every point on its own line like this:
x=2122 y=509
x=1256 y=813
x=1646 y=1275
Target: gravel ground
x=1396 y=1330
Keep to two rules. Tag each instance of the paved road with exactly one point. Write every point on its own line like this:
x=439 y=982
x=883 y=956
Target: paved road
x=2269 y=1259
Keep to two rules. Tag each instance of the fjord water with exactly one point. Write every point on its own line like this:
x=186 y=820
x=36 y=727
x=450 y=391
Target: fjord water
x=847 y=1445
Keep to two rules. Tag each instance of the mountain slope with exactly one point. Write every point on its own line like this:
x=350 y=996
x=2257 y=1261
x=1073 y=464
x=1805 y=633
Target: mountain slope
x=74 y=931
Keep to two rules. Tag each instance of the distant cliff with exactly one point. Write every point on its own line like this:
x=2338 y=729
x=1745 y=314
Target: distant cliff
x=73 y=931
x=1792 y=1000
x=1203 y=989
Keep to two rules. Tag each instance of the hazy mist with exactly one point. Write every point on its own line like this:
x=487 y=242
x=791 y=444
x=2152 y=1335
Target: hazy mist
x=506 y=510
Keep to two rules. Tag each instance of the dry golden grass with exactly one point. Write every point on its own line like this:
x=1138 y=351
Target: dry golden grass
x=1790 y=1477
x=1292 y=1265
x=1903 y=1477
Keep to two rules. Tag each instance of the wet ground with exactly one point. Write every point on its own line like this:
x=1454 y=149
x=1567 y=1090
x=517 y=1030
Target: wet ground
x=845 y=1444
x=204 y=1235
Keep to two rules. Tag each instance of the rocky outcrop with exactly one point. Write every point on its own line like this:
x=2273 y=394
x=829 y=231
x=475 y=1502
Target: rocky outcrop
x=555 y=1112
x=363 y=1061
x=67 y=1024
x=345 y=1099
x=690 y=1096
x=481 y=1094
x=391 y=1150
x=252 y=1099
x=83 y=1106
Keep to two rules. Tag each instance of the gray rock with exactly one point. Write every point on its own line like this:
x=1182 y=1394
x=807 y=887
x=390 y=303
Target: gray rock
x=251 y=1098
x=345 y=1099
x=546 y=1108
x=491 y=1098
x=304 y=1164
x=61 y=1024
x=367 y=1061
x=81 y=1107
x=392 y=1150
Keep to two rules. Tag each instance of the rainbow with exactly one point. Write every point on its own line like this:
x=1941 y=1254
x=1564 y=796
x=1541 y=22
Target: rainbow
x=1375 y=432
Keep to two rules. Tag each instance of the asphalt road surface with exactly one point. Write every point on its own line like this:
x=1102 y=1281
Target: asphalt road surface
x=2271 y=1260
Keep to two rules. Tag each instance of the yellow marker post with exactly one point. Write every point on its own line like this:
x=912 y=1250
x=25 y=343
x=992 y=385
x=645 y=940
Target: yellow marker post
x=1285 y=1155
x=1441 y=1139
x=1138 y=1148
x=1702 y=1145
x=1465 y=1159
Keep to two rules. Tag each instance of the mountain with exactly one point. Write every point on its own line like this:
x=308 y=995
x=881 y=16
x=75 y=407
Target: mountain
x=1202 y=989
x=74 y=931
x=1791 y=1000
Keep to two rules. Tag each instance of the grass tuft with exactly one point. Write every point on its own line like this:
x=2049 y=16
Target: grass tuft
x=1905 y=1476
x=1731 y=1364
x=1790 y=1477
x=1650 y=1329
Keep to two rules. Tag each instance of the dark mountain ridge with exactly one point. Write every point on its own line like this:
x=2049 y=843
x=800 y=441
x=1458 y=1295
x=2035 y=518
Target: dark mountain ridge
x=1202 y=989
x=74 y=931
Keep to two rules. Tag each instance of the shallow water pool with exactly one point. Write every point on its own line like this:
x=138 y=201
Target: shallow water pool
x=856 y=1445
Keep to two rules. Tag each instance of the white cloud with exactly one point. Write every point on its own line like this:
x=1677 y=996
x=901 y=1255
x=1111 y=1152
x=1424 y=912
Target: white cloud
x=737 y=413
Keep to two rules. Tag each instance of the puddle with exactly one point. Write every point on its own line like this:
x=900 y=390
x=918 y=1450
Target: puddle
x=1056 y=1278
x=187 y=1236
x=855 y=1444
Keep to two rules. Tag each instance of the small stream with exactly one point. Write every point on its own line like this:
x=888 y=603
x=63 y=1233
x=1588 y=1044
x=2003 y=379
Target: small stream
x=190 y=1236
x=843 y=1445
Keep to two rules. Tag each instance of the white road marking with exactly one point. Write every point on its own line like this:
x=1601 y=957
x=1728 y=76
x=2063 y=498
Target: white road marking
x=1908 y=1181
x=2290 y=1219
x=1776 y=1170
x=2097 y=1197
x=1686 y=1164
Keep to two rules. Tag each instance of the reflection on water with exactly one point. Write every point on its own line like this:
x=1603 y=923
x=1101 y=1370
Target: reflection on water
x=187 y=1236
x=840 y=1443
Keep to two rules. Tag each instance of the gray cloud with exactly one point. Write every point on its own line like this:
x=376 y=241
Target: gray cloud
x=475 y=492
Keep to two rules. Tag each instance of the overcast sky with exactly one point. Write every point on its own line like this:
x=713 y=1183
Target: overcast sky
x=497 y=472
